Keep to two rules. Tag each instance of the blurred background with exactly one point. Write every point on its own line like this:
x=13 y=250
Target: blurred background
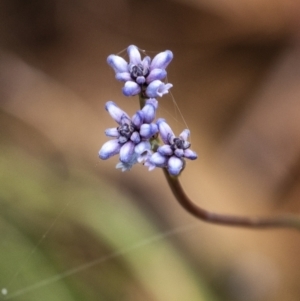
x=73 y=227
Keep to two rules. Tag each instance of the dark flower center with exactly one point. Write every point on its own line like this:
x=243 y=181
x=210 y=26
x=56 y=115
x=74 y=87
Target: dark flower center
x=138 y=70
x=125 y=130
x=179 y=143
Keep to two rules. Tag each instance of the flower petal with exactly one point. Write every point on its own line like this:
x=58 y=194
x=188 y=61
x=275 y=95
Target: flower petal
x=158 y=160
x=149 y=112
x=189 y=154
x=112 y=132
x=179 y=152
x=126 y=152
x=117 y=63
x=161 y=60
x=138 y=118
x=164 y=89
x=135 y=137
x=164 y=130
x=149 y=165
x=156 y=74
x=142 y=147
x=115 y=112
x=157 y=88
x=144 y=157
x=123 y=76
x=148 y=130
x=146 y=63
x=122 y=139
x=175 y=165
x=125 y=166
x=165 y=150
x=134 y=55
x=131 y=88
x=140 y=80
x=152 y=101
x=185 y=134
x=109 y=149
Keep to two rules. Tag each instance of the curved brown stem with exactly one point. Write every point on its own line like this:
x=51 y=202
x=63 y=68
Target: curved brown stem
x=280 y=221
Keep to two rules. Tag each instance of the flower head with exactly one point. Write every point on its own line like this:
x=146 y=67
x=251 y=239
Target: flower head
x=138 y=73
x=132 y=134
x=171 y=155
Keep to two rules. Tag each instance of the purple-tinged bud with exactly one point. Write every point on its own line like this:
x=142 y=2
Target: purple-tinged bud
x=127 y=151
x=112 y=132
x=140 y=80
x=138 y=118
x=152 y=101
x=164 y=130
x=189 y=154
x=146 y=62
x=165 y=150
x=115 y=112
x=135 y=137
x=175 y=165
x=123 y=76
x=179 y=152
x=156 y=74
x=148 y=130
x=158 y=160
x=117 y=63
x=162 y=60
x=134 y=55
x=149 y=112
x=109 y=149
x=131 y=89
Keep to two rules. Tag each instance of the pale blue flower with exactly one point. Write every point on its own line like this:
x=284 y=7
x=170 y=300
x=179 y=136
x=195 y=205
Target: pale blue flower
x=171 y=155
x=125 y=166
x=157 y=88
x=138 y=73
x=131 y=136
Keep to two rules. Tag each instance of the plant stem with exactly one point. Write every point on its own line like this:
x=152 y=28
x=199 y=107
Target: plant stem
x=142 y=100
x=279 y=221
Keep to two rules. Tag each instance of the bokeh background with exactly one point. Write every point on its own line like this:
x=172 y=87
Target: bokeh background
x=73 y=227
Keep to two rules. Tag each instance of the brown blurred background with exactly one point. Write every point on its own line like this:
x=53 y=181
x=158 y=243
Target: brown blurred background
x=236 y=74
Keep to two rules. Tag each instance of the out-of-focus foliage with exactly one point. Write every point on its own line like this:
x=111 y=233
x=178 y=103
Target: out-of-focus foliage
x=76 y=238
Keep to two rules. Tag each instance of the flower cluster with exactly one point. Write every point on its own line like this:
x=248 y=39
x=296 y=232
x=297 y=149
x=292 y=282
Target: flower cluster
x=136 y=139
x=142 y=76
x=132 y=136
